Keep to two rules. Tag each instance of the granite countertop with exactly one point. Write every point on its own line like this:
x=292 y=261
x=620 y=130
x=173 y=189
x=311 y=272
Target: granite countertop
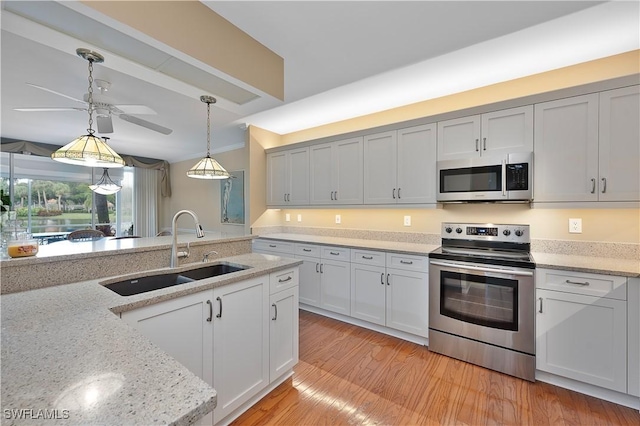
x=67 y=356
x=592 y=264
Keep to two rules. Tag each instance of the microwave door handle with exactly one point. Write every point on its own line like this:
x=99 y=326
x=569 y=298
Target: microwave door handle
x=504 y=178
x=482 y=269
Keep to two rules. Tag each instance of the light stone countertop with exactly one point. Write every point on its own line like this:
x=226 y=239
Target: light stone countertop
x=65 y=348
x=598 y=265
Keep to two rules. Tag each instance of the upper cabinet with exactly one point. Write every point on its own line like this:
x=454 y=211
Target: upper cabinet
x=496 y=133
x=336 y=172
x=288 y=178
x=587 y=147
x=400 y=166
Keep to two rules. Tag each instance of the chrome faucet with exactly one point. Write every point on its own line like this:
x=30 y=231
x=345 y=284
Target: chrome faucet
x=174 y=245
x=205 y=258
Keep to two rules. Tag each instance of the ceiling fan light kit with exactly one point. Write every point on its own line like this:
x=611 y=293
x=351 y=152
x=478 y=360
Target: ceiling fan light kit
x=89 y=150
x=208 y=168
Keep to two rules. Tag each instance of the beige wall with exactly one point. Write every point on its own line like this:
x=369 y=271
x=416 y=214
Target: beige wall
x=202 y=195
x=547 y=222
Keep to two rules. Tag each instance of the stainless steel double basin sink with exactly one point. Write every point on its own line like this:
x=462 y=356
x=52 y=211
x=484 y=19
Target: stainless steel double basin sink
x=144 y=284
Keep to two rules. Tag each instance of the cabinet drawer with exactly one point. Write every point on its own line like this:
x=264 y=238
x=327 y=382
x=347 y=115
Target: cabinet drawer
x=608 y=286
x=368 y=257
x=407 y=262
x=307 y=250
x=274 y=246
x=336 y=253
x=282 y=280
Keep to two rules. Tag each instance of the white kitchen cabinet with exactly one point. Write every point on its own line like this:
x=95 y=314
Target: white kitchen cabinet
x=368 y=293
x=400 y=166
x=241 y=343
x=181 y=327
x=633 y=339
x=288 y=178
x=335 y=286
x=273 y=247
x=496 y=133
x=336 y=172
x=408 y=301
x=619 y=145
x=581 y=336
x=283 y=332
x=309 y=292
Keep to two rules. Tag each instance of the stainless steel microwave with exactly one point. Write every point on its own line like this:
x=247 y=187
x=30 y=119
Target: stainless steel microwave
x=492 y=178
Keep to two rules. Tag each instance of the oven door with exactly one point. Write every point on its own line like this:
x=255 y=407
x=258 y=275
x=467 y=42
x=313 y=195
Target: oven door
x=490 y=304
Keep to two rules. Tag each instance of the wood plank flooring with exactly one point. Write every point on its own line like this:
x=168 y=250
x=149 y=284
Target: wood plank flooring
x=350 y=375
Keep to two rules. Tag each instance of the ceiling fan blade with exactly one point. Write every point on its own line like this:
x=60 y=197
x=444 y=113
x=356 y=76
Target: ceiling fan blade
x=105 y=125
x=55 y=93
x=136 y=109
x=145 y=123
x=49 y=109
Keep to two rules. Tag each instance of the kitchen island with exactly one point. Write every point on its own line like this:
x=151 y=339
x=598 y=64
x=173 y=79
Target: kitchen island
x=67 y=357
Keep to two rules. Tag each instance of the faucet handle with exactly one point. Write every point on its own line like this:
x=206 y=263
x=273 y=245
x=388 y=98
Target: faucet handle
x=205 y=258
x=183 y=254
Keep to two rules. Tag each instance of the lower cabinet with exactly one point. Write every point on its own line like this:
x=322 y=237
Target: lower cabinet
x=239 y=338
x=310 y=280
x=335 y=286
x=581 y=327
x=408 y=301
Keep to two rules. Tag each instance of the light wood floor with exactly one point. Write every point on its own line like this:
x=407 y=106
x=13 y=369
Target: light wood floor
x=349 y=375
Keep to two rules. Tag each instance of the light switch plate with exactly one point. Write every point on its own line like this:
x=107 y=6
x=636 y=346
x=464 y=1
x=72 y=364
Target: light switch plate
x=287 y=217
x=407 y=221
x=575 y=226
x=338 y=219
x=299 y=218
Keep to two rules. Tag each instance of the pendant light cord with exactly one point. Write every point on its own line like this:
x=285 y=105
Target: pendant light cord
x=208 y=128
x=90 y=97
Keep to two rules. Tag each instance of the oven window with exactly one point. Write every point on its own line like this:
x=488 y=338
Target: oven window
x=471 y=179
x=478 y=299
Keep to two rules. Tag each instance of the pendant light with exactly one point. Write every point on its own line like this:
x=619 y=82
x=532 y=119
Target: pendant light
x=105 y=186
x=89 y=150
x=208 y=168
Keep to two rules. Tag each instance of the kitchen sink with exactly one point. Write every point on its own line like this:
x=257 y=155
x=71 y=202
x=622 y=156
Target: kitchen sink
x=156 y=282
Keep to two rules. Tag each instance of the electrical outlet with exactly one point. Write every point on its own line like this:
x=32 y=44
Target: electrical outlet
x=575 y=226
x=287 y=217
x=299 y=218
x=338 y=219
x=407 y=221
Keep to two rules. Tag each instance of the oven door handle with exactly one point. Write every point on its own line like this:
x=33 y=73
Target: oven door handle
x=483 y=269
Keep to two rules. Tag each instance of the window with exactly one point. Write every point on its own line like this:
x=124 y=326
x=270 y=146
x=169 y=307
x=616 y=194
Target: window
x=52 y=199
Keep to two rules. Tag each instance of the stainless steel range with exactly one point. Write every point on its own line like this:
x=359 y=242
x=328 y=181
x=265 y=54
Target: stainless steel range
x=482 y=297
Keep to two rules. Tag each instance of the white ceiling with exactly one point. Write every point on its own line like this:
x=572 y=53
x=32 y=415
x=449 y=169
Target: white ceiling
x=342 y=59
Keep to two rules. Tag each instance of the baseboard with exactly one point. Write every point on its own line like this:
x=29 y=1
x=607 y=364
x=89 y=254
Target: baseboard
x=419 y=340
x=591 y=390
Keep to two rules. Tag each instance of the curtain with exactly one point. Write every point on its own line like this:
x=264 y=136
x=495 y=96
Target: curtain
x=145 y=202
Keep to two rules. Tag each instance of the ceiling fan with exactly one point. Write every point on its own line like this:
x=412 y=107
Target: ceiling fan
x=104 y=107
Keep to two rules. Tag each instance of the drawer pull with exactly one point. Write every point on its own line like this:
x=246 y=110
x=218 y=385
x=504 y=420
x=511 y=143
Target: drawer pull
x=306 y=249
x=334 y=253
x=368 y=257
x=586 y=283
x=285 y=280
x=407 y=262
x=273 y=245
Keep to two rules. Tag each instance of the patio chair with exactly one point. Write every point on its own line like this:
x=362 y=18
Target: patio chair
x=85 y=235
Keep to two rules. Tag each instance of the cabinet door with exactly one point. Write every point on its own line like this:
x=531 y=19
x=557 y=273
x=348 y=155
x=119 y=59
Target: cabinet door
x=408 y=301
x=277 y=178
x=180 y=328
x=633 y=337
x=310 y=281
x=380 y=170
x=283 y=333
x=583 y=338
x=566 y=149
x=619 y=145
x=321 y=174
x=335 y=286
x=417 y=165
x=507 y=131
x=348 y=171
x=241 y=343
x=298 y=179
x=368 y=293
x=459 y=138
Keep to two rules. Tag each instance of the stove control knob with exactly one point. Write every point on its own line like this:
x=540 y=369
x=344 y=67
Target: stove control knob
x=459 y=230
x=506 y=232
x=448 y=229
x=519 y=233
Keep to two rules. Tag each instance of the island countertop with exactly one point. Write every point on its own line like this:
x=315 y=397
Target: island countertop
x=67 y=358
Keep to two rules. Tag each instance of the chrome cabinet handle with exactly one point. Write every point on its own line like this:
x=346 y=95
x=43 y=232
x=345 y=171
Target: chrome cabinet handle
x=593 y=186
x=388 y=280
x=586 y=283
x=477 y=140
x=540 y=299
x=289 y=278
x=399 y=193
x=484 y=144
x=394 y=193
x=275 y=316
x=210 y=310
x=407 y=262
x=219 y=314
x=382 y=278
x=604 y=185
